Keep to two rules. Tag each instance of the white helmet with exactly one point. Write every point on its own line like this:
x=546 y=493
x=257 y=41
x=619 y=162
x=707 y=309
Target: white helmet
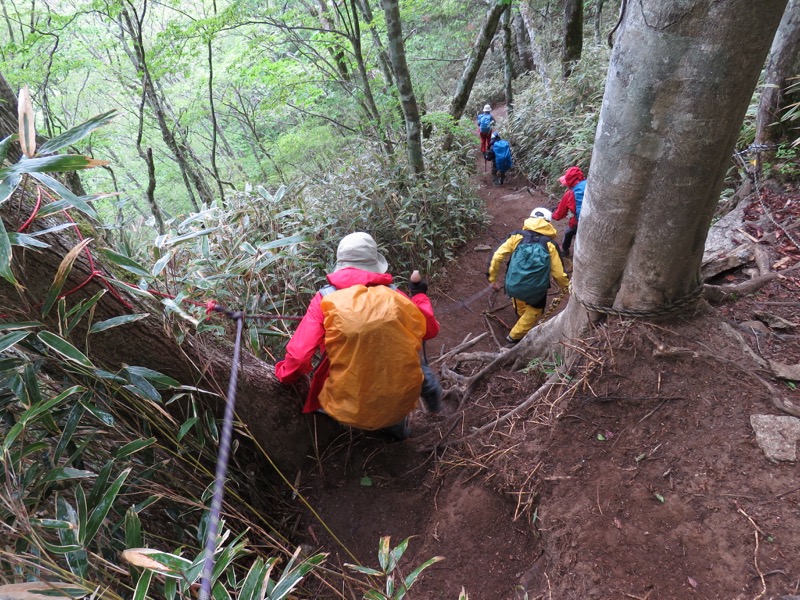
x=487 y=108
x=542 y=213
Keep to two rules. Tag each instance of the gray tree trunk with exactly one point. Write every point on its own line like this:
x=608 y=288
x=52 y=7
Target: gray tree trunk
x=537 y=55
x=408 y=101
x=598 y=17
x=783 y=58
x=522 y=44
x=270 y=410
x=573 y=36
x=677 y=91
x=508 y=61
x=479 y=49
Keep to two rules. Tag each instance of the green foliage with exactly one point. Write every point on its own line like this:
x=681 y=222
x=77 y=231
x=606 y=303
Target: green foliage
x=554 y=122
x=396 y=586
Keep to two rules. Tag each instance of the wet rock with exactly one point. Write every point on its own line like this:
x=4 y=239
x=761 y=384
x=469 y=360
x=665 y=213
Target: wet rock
x=482 y=248
x=754 y=327
x=777 y=436
x=791 y=372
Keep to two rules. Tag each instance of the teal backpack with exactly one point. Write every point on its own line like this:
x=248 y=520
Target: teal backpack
x=528 y=273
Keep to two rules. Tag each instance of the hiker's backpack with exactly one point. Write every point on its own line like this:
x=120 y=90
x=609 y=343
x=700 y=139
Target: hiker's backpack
x=528 y=273
x=485 y=122
x=578 y=190
x=502 y=155
x=372 y=338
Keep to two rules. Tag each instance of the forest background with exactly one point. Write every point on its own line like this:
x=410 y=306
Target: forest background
x=242 y=141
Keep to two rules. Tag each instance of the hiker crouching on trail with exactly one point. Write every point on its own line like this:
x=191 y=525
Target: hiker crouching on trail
x=570 y=203
x=534 y=258
x=485 y=124
x=369 y=334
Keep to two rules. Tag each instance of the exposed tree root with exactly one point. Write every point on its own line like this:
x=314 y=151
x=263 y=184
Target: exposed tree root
x=725 y=293
x=664 y=351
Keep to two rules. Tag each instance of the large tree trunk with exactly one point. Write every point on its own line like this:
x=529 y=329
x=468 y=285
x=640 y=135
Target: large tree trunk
x=408 y=101
x=270 y=410
x=537 y=55
x=783 y=58
x=479 y=48
x=8 y=118
x=677 y=90
x=573 y=36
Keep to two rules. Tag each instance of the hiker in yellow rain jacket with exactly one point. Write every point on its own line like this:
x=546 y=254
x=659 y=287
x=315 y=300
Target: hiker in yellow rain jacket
x=542 y=232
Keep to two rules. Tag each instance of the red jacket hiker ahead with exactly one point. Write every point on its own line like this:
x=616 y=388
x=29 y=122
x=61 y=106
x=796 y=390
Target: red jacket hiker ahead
x=566 y=205
x=356 y=407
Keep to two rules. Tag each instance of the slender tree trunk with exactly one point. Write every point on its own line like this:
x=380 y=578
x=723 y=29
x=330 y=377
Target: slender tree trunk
x=270 y=410
x=408 y=101
x=677 y=91
x=383 y=56
x=213 y=112
x=783 y=58
x=522 y=44
x=131 y=27
x=598 y=16
x=479 y=49
x=537 y=55
x=355 y=41
x=508 y=61
x=573 y=36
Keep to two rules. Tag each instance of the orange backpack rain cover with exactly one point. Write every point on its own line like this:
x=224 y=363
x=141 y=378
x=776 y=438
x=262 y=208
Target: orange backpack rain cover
x=372 y=337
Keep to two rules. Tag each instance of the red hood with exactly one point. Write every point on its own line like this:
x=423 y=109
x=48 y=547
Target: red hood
x=573 y=176
x=350 y=276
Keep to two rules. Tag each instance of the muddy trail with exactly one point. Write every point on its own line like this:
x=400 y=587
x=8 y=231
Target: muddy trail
x=638 y=477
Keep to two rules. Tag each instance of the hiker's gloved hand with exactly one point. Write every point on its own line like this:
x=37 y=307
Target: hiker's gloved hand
x=496 y=286
x=417 y=287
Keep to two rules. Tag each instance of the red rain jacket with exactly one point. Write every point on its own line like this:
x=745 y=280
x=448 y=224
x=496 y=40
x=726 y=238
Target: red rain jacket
x=567 y=205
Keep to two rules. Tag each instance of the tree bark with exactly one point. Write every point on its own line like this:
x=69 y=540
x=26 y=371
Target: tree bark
x=522 y=43
x=783 y=58
x=573 y=36
x=408 y=101
x=270 y=410
x=383 y=56
x=598 y=16
x=479 y=49
x=676 y=94
x=9 y=121
x=536 y=52
x=508 y=62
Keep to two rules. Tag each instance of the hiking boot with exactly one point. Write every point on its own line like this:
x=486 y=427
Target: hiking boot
x=511 y=340
x=399 y=432
x=431 y=391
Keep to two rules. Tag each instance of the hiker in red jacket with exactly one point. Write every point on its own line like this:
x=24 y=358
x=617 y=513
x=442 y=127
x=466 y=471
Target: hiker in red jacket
x=570 y=203
x=369 y=334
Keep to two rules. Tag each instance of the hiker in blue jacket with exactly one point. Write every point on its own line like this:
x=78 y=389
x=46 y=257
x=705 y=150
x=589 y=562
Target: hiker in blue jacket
x=485 y=124
x=500 y=154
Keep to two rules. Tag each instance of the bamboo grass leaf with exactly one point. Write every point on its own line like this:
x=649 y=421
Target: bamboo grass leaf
x=4 y=145
x=5 y=257
x=64 y=348
x=61 y=275
x=116 y=322
x=8 y=183
x=125 y=262
x=101 y=511
x=65 y=193
x=76 y=133
x=10 y=339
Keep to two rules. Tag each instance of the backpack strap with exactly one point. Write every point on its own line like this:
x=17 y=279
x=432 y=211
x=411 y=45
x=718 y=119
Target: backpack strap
x=330 y=288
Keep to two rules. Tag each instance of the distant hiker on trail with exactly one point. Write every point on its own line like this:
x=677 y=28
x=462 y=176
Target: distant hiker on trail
x=369 y=334
x=499 y=153
x=534 y=258
x=485 y=124
x=571 y=203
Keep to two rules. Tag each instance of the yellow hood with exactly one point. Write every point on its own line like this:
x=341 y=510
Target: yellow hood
x=539 y=225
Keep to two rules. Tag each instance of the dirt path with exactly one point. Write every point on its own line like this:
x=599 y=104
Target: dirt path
x=643 y=480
